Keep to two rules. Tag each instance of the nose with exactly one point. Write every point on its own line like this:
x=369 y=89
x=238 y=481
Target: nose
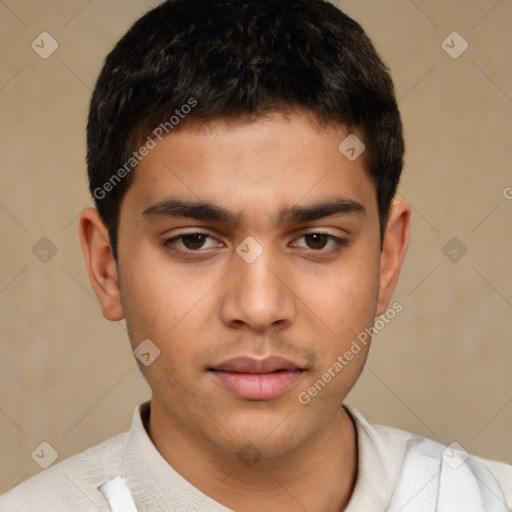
x=258 y=295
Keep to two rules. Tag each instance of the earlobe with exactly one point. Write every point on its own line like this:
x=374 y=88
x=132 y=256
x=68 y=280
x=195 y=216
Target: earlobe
x=394 y=248
x=101 y=264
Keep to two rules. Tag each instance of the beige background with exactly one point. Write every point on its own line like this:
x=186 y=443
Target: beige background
x=441 y=368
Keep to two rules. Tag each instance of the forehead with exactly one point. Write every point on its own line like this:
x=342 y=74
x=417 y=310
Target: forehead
x=263 y=165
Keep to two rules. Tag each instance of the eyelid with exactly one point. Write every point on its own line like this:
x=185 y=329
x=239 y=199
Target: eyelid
x=338 y=241
x=172 y=239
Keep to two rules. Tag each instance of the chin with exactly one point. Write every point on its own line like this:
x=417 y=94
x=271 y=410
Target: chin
x=252 y=448
x=259 y=436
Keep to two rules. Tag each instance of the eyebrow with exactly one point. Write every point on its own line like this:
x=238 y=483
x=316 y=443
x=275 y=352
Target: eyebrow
x=203 y=210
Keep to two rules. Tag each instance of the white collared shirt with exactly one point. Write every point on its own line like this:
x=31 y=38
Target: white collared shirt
x=128 y=473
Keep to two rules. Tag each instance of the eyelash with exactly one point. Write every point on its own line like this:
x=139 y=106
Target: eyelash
x=169 y=243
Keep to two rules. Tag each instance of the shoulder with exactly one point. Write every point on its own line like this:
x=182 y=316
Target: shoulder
x=436 y=473
x=503 y=474
x=71 y=484
x=388 y=444
x=422 y=470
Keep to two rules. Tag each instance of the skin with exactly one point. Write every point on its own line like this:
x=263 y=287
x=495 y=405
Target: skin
x=305 y=299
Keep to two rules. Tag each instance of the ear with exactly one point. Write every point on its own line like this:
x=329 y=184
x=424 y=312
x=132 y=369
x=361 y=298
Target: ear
x=394 y=247
x=101 y=264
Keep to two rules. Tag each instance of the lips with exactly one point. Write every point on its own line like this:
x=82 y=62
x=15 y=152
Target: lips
x=257 y=379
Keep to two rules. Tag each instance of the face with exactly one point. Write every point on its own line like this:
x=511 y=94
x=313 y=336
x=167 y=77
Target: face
x=249 y=254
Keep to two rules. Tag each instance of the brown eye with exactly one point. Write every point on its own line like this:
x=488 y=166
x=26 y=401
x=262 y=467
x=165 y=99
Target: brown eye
x=317 y=240
x=194 y=241
x=189 y=243
x=321 y=242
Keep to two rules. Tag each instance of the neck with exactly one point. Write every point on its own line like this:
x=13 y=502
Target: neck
x=317 y=476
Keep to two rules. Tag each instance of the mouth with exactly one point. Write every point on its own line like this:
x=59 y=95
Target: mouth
x=257 y=379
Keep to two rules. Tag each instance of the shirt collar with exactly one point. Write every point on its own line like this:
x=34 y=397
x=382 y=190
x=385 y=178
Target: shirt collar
x=155 y=485
x=381 y=451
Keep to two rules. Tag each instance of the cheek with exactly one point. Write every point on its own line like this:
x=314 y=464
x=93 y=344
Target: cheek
x=345 y=296
x=168 y=306
x=342 y=352
x=155 y=296
x=346 y=304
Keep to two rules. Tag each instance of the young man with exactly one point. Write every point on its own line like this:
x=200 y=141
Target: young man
x=244 y=156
